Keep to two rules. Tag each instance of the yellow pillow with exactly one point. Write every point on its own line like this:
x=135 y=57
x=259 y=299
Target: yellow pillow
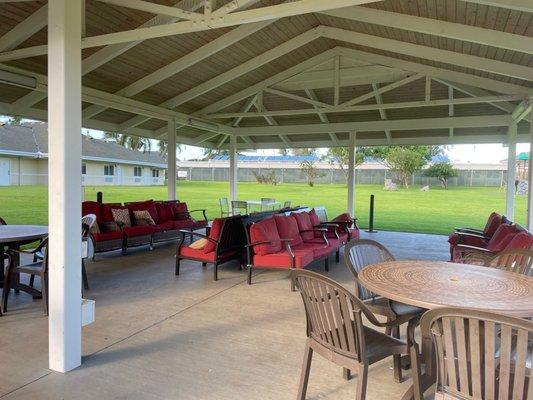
x=199 y=244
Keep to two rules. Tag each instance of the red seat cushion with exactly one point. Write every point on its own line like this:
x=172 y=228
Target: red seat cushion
x=314 y=217
x=199 y=224
x=304 y=224
x=148 y=205
x=493 y=223
x=92 y=207
x=522 y=240
x=187 y=252
x=105 y=236
x=183 y=224
x=288 y=229
x=139 y=230
x=319 y=249
x=501 y=238
x=216 y=230
x=282 y=259
x=263 y=231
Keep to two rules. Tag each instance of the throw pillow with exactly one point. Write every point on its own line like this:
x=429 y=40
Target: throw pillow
x=143 y=217
x=121 y=216
x=198 y=244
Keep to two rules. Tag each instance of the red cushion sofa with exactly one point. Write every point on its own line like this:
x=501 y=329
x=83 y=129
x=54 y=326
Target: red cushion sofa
x=288 y=241
x=225 y=242
x=168 y=216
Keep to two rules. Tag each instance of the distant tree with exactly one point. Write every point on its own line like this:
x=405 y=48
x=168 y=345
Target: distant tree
x=15 y=120
x=163 y=148
x=210 y=153
x=283 y=152
x=129 y=141
x=311 y=172
x=339 y=156
x=304 y=151
x=442 y=171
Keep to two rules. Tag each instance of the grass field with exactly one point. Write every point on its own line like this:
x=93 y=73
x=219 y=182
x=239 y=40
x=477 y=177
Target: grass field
x=436 y=211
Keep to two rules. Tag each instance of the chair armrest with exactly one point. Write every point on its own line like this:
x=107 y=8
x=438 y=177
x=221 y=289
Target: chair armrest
x=471 y=235
x=315 y=230
x=467 y=247
x=469 y=230
x=186 y=232
x=268 y=241
x=203 y=210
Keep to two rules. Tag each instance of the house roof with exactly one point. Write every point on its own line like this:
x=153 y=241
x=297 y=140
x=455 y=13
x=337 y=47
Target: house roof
x=407 y=71
x=31 y=140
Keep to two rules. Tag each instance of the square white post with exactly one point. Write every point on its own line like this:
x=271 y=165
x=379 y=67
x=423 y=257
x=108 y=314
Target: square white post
x=351 y=175
x=64 y=183
x=530 y=179
x=233 y=167
x=171 y=160
x=511 y=172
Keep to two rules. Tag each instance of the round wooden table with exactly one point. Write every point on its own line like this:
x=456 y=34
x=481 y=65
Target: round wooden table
x=433 y=284
x=14 y=236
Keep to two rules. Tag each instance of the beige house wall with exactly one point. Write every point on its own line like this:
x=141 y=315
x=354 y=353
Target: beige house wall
x=31 y=171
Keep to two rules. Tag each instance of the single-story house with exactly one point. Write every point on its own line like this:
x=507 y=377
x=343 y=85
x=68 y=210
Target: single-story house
x=24 y=153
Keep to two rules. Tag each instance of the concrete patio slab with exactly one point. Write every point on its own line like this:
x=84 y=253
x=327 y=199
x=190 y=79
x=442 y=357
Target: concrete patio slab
x=157 y=336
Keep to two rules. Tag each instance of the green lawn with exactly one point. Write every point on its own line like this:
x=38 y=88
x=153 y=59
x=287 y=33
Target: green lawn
x=436 y=211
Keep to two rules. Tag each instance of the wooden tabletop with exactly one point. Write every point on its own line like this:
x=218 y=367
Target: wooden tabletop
x=432 y=284
x=21 y=233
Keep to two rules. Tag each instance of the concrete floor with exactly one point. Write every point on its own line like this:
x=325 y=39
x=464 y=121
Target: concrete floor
x=157 y=336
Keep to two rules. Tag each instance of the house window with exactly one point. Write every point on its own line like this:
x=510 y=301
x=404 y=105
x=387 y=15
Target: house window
x=83 y=169
x=109 y=170
x=137 y=171
x=155 y=173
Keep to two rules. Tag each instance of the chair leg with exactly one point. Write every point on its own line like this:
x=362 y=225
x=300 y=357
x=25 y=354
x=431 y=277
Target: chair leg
x=346 y=374
x=32 y=279
x=397 y=359
x=304 y=377
x=326 y=264
x=83 y=275
x=44 y=291
x=177 y=271
x=338 y=256
x=362 y=376
x=249 y=274
x=215 y=272
x=204 y=264
x=418 y=393
x=6 y=289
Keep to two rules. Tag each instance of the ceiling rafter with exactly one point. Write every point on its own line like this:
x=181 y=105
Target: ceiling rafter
x=430 y=26
x=25 y=29
x=382 y=112
x=296 y=97
x=518 y=5
x=154 y=8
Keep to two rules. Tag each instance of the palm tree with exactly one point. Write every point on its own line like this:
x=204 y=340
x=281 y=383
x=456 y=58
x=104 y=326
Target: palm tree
x=129 y=141
x=163 y=147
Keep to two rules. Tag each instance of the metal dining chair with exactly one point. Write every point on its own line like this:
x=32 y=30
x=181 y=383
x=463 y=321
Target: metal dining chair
x=267 y=204
x=239 y=207
x=480 y=355
x=514 y=260
x=224 y=207
x=287 y=204
x=335 y=330
x=87 y=223
x=359 y=253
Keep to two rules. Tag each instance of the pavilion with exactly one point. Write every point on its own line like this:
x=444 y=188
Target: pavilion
x=251 y=74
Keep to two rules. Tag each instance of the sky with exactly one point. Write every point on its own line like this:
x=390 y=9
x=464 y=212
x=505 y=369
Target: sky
x=480 y=153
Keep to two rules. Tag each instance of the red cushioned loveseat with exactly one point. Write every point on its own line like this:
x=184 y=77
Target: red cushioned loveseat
x=288 y=241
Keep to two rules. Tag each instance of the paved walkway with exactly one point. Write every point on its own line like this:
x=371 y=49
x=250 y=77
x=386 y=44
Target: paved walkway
x=158 y=336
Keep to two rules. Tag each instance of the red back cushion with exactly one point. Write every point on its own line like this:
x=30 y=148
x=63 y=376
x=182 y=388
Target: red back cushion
x=304 y=224
x=501 y=238
x=148 y=205
x=343 y=218
x=522 y=240
x=493 y=223
x=107 y=215
x=288 y=229
x=263 y=231
x=216 y=230
x=162 y=212
x=92 y=207
x=180 y=208
x=314 y=217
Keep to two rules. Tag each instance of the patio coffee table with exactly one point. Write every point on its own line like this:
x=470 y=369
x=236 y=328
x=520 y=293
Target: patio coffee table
x=434 y=284
x=14 y=236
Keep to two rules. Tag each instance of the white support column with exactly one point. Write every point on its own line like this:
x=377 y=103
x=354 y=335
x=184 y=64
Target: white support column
x=511 y=172
x=64 y=185
x=351 y=174
x=171 y=160
x=233 y=168
x=530 y=178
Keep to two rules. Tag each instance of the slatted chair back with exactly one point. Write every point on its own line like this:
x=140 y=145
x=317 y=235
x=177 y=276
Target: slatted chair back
x=334 y=316
x=287 y=204
x=359 y=253
x=480 y=355
x=232 y=235
x=321 y=213
x=87 y=222
x=224 y=206
x=514 y=260
x=267 y=203
x=237 y=207
x=2 y=221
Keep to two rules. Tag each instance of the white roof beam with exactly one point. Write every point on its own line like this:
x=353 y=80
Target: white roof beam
x=247 y=106
x=430 y=26
x=25 y=29
x=296 y=97
x=382 y=112
x=397 y=125
x=451 y=110
x=337 y=80
x=522 y=110
x=431 y=53
x=518 y=5
x=233 y=6
x=261 y=108
x=154 y=8
x=458 y=77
